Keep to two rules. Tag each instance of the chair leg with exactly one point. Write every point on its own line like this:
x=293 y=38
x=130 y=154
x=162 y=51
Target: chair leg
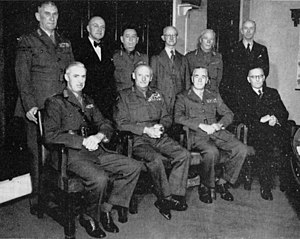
x=133 y=205
x=248 y=173
x=69 y=225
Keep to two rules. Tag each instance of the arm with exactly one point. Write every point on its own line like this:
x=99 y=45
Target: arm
x=154 y=67
x=165 y=118
x=265 y=61
x=224 y=111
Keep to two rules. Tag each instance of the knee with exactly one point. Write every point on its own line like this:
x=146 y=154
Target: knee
x=99 y=180
x=211 y=154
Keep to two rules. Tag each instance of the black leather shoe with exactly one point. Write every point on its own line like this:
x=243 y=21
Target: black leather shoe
x=247 y=183
x=122 y=214
x=176 y=204
x=108 y=223
x=163 y=209
x=266 y=193
x=92 y=227
x=205 y=195
x=223 y=190
x=133 y=205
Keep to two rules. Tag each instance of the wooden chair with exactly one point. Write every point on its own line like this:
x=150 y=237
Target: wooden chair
x=295 y=161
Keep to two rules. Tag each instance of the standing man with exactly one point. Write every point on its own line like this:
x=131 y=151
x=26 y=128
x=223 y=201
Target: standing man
x=197 y=108
x=41 y=59
x=244 y=54
x=142 y=111
x=94 y=53
x=206 y=57
x=168 y=68
x=67 y=114
x=126 y=58
x=264 y=113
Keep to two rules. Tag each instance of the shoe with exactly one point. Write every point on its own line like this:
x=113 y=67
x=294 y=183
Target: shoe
x=266 y=193
x=108 y=223
x=163 y=209
x=223 y=190
x=122 y=214
x=205 y=194
x=92 y=227
x=247 y=183
x=174 y=203
x=133 y=205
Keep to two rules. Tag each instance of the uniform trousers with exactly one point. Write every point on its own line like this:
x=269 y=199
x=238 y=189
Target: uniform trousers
x=209 y=147
x=154 y=152
x=96 y=168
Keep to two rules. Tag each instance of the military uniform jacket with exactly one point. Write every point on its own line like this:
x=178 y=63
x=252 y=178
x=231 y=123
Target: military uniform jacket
x=124 y=66
x=135 y=112
x=40 y=68
x=210 y=60
x=64 y=115
x=190 y=110
x=169 y=77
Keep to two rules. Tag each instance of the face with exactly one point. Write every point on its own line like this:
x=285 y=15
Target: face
x=96 y=28
x=170 y=36
x=207 y=41
x=256 y=78
x=76 y=78
x=248 y=30
x=142 y=76
x=47 y=15
x=199 y=78
x=129 y=39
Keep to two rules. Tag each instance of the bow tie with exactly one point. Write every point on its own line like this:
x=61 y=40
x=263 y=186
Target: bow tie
x=97 y=44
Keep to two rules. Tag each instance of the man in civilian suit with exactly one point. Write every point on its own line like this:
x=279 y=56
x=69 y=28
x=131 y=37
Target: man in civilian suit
x=41 y=59
x=168 y=68
x=245 y=53
x=97 y=58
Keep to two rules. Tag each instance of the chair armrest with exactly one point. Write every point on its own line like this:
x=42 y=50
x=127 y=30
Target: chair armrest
x=62 y=155
x=125 y=142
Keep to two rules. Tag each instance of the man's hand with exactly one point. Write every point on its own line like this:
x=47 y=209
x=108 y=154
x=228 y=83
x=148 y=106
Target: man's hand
x=91 y=142
x=273 y=120
x=265 y=118
x=30 y=114
x=153 y=132
x=217 y=126
x=209 y=129
x=102 y=137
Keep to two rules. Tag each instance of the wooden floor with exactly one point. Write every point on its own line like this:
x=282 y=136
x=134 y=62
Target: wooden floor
x=247 y=217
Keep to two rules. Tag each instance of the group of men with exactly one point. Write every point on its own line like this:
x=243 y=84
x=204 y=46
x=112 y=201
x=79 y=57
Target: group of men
x=125 y=91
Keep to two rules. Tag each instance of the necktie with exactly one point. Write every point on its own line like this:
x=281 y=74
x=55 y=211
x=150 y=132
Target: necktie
x=260 y=94
x=248 y=49
x=97 y=44
x=52 y=37
x=172 y=56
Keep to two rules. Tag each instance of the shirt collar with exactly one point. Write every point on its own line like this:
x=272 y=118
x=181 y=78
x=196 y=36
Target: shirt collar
x=245 y=43
x=168 y=50
x=92 y=41
x=256 y=90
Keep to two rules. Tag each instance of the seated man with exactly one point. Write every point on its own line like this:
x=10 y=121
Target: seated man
x=197 y=109
x=67 y=114
x=263 y=111
x=142 y=111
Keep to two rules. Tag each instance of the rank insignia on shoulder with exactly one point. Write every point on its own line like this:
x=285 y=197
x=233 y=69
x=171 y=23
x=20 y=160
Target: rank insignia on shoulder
x=214 y=100
x=155 y=97
x=64 y=45
x=90 y=106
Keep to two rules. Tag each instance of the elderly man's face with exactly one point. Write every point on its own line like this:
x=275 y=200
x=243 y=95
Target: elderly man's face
x=256 y=78
x=142 y=76
x=170 y=36
x=248 y=30
x=76 y=78
x=129 y=39
x=199 y=78
x=47 y=16
x=96 y=28
x=207 y=41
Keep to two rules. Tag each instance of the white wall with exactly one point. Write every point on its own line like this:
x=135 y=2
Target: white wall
x=276 y=30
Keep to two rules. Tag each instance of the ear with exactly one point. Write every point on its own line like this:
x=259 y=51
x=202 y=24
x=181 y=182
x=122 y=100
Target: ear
x=133 y=75
x=122 y=39
x=248 y=79
x=88 y=28
x=137 y=40
x=66 y=77
x=37 y=16
x=163 y=38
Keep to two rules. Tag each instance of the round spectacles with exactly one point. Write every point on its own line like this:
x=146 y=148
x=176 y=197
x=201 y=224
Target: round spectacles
x=257 y=77
x=171 y=35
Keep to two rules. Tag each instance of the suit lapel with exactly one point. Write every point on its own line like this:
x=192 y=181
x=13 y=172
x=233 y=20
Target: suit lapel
x=92 y=51
x=165 y=61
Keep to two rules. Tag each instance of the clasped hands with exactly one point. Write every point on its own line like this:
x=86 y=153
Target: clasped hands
x=210 y=129
x=92 y=142
x=272 y=120
x=155 y=131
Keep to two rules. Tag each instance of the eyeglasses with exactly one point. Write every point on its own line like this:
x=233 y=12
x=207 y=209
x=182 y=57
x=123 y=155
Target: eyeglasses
x=171 y=36
x=197 y=77
x=257 y=77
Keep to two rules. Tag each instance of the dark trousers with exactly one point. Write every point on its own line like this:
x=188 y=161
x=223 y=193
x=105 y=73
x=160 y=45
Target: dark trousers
x=234 y=150
x=154 y=152
x=97 y=169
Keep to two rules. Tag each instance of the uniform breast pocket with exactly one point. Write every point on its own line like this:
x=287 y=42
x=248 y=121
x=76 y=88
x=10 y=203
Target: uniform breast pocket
x=138 y=112
x=194 y=112
x=40 y=56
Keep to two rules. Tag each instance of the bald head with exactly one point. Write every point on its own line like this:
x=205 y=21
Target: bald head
x=96 y=28
x=169 y=36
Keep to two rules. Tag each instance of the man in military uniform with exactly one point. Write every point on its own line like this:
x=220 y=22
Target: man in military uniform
x=68 y=115
x=142 y=111
x=169 y=68
x=126 y=58
x=205 y=56
x=41 y=59
x=197 y=109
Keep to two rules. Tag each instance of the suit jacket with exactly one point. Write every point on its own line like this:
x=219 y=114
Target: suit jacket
x=65 y=115
x=100 y=83
x=253 y=108
x=169 y=77
x=124 y=67
x=190 y=111
x=39 y=68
